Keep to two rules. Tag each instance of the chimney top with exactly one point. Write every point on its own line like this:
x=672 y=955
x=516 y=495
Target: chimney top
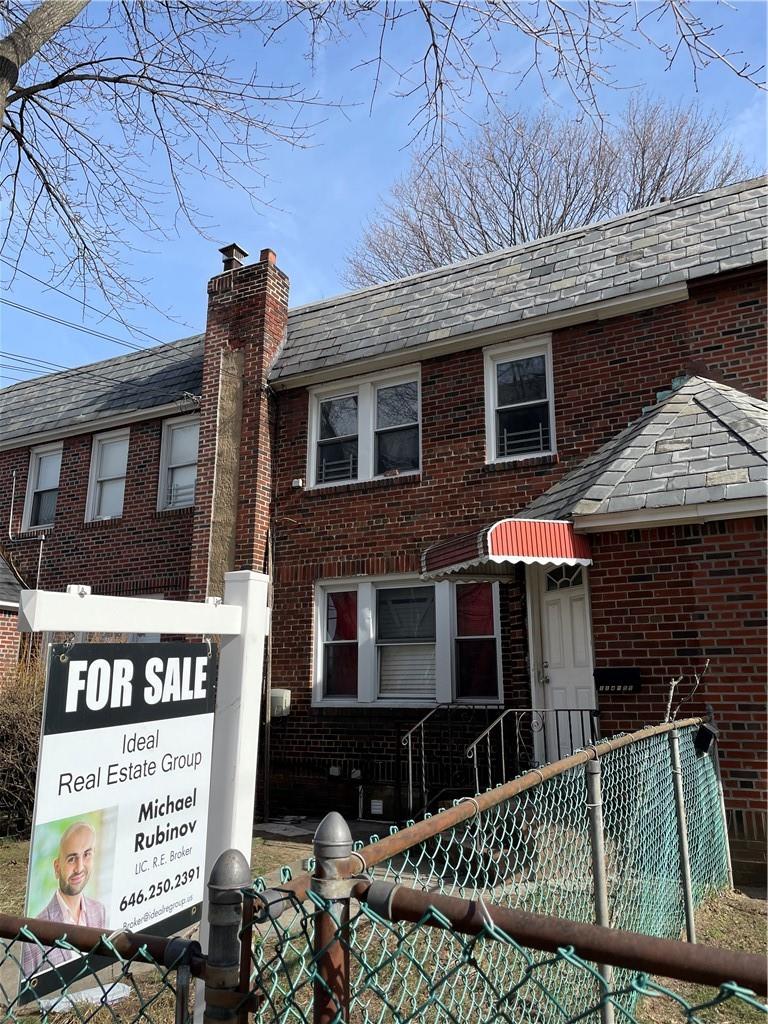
x=233 y=256
x=267 y=256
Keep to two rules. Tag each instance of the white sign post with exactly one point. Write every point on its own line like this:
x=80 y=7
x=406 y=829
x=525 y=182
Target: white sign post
x=242 y=622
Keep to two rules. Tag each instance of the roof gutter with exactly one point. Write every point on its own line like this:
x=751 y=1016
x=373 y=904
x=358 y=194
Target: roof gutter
x=439 y=342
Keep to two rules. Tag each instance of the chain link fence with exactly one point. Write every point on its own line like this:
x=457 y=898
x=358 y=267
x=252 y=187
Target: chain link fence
x=525 y=847
x=492 y=910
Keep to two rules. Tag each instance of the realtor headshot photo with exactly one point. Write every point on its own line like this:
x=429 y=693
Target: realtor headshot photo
x=66 y=882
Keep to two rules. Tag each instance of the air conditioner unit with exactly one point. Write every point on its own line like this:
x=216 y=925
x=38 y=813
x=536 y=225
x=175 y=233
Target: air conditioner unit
x=280 y=703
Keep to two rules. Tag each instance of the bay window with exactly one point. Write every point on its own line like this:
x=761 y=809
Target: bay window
x=340 y=644
x=476 y=652
x=405 y=639
x=399 y=642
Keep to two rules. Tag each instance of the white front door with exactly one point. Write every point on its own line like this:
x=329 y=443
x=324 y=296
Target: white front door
x=567 y=684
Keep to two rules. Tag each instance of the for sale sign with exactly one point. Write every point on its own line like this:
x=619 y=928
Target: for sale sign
x=119 y=830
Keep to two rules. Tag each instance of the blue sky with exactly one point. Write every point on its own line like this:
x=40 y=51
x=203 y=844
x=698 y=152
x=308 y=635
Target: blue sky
x=321 y=196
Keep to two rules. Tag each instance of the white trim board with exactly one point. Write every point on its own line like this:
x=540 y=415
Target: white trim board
x=738 y=508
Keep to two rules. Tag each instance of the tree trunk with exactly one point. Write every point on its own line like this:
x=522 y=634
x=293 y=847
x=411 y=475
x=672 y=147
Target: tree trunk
x=26 y=39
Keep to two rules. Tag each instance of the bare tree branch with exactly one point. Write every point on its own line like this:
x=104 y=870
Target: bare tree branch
x=522 y=177
x=110 y=113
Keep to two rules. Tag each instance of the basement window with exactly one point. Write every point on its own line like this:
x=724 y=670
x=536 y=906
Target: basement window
x=365 y=429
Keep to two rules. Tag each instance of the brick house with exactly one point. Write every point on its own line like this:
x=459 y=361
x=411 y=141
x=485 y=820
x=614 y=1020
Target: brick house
x=480 y=489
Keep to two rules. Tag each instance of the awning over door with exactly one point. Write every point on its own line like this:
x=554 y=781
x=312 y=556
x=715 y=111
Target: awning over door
x=530 y=541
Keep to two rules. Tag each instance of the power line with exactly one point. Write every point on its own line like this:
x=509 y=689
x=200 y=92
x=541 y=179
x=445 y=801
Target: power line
x=21 y=362
x=76 y=327
x=158 y=353
x=81 y=302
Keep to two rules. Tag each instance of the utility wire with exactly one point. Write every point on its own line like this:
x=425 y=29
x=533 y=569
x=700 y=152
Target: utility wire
x=158 y=353
x=22 y=362
x=76 y=327
x=81 y=302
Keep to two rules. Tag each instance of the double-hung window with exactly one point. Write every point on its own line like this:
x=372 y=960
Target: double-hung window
x=397 y=641
x=519 y=402
x=405 y=641
x=42 y=486
x=337 y=442
x=178 y=462
x=106 y=487
x=364 y=429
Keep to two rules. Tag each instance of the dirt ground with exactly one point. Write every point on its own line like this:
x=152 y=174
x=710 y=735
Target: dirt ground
x=733 y=920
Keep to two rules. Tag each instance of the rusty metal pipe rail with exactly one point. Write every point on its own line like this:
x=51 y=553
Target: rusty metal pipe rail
x=137 y=946
x=404 y=839
x=705 y=965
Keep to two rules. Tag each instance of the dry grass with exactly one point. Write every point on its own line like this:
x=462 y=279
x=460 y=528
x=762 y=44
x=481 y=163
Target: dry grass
x=732 y=920
x=267 y=856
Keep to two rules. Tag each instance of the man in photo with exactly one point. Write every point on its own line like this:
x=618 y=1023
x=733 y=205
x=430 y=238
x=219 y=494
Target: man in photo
x=69 y=904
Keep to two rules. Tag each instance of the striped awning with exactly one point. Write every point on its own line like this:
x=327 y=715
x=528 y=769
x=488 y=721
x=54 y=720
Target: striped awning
x=530 y=541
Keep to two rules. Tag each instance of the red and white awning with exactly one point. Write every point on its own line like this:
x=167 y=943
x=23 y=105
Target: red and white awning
x=530 y=541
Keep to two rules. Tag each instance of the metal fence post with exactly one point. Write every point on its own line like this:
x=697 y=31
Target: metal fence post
x=331 y=880
x=682 y=834
x=231 y=873
x=592 y=770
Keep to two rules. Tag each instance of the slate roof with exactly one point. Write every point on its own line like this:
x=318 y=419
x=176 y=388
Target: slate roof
x=10 y=587
x=86 y=394
x=661 y=245
x=705 y=442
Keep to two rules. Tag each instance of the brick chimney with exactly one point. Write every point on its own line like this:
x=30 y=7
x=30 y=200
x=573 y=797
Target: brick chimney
x=246 y=326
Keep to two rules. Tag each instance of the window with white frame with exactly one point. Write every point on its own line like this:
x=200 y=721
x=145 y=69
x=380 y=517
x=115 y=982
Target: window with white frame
x=106 y=486
x=400 y=641
x=405 y=641
x=476 y=648
x=178 y=462
x=42 y=486
x=519 y=400
x=365 y=429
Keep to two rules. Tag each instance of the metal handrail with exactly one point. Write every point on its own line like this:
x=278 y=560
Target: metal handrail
x=420 y=723
x=470 y=750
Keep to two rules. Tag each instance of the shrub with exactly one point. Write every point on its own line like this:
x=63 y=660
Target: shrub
x=21 y=693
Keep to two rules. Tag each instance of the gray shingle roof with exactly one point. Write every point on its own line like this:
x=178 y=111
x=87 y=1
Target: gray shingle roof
x=662 y=245
x=10 y=588
x=705 y=442
x=127 y=384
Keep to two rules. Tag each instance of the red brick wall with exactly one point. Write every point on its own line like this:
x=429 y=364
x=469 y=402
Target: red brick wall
x=664 y=601
x=247 y=310
x=604 y=374
x=9 y=640
x=145 y=551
